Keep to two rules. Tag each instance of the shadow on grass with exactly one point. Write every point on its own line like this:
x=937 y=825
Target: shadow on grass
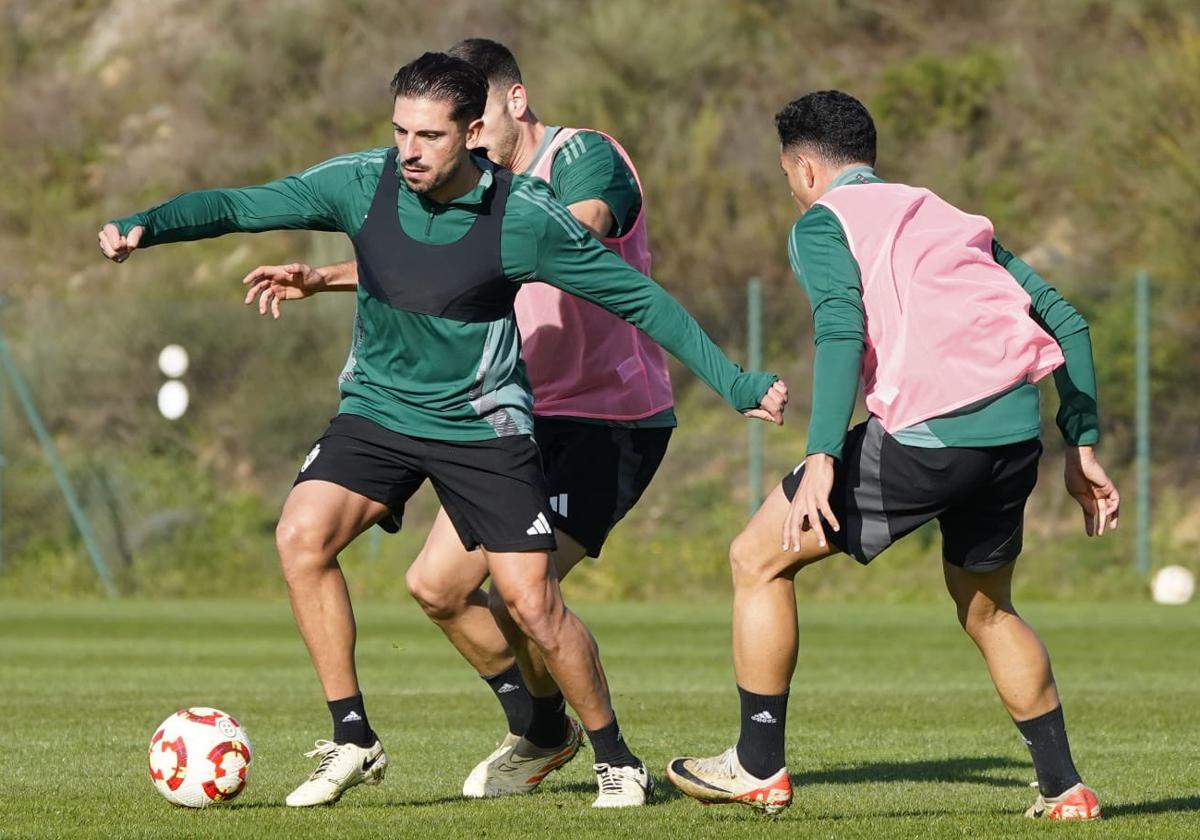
x=967 y=770
x=1162 y=806
x=970 y=770
x=372 y=803
x=664 y=791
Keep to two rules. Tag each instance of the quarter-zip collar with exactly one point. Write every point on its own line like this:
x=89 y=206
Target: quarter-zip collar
x=855 y=175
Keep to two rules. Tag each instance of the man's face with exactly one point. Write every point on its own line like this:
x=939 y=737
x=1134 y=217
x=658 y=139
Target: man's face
x=500 y=132
x=432 y=145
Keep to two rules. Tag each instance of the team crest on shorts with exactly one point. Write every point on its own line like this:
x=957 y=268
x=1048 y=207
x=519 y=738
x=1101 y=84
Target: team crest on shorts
x=312 y=456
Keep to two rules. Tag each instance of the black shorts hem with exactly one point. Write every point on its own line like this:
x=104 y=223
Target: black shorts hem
x=543 y=545
x=344 y=483
x=390 y=522
x=1005 y=553
x=982 y=568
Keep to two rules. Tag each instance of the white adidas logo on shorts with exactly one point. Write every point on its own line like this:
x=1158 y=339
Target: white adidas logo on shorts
x=539 y=526
x=558 y=504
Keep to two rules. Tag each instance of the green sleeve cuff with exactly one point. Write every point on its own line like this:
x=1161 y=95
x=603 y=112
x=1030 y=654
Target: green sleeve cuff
x=130 y=222
x=1078 y=414
x=837 y=368
x=749 y=389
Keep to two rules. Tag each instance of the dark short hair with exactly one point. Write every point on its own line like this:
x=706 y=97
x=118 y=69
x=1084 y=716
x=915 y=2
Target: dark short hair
x=491 y=58
x=436 y=75
x=833 y=124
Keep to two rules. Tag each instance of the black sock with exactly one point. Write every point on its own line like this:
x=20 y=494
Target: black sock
x=514 y=698
x=760 y=747
x=609 y=746
x=1046 y=737
x=350 y=724
x=548 y=726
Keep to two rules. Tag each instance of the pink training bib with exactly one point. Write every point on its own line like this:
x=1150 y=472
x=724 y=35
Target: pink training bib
x=946 y=325
x=582 y=360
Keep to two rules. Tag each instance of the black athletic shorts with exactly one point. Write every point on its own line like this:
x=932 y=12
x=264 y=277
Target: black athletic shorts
x=884 y=490
x=596 y=473
x=493 y=490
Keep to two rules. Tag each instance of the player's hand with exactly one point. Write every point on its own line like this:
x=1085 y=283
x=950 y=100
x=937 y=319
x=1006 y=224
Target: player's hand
x=770 y=408
x=1093 y=489
x=117 y=247
x=811 y=503
x=273 y=284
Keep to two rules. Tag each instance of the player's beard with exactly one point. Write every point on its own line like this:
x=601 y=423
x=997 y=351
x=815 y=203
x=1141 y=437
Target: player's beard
x=502 y=150
x=437 y=180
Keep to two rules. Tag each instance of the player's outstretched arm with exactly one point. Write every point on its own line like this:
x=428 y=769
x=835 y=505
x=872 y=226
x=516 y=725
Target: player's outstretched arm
x=270 y=285
x=320 y=198
x=1089 y=484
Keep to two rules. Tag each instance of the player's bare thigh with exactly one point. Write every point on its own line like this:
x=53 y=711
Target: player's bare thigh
x=323 y=518
x=445 y=572
x=757 y=552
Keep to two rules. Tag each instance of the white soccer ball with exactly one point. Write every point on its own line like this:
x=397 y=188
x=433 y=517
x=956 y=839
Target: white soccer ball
x=173 y=361
x=173 y=399
x=1173 y=585
x=199 y=756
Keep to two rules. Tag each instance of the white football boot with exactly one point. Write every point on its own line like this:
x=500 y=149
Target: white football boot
x=1078 y=802
x=342 y=766
x=476 y=783
x=722 y=779
x=524 y=765
x=622 y=787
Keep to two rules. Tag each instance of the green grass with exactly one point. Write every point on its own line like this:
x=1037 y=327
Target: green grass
x=894 y=730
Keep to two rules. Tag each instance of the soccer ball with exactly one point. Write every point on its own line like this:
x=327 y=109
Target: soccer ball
x=1173 y=585
x=199 y=756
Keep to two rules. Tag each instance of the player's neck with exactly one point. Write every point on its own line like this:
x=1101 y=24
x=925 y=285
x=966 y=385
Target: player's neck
x=833 y=175
x=530 y=133
x=465 y=180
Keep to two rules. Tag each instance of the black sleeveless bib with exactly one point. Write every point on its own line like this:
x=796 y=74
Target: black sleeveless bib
x=462 y=280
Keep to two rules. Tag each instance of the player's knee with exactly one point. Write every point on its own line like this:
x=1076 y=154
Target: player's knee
x=747 y=564
x=537 y=615
x=436 y=601
x=301 y=545
x=978 y=614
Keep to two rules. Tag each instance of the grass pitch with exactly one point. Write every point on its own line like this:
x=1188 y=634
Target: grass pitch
x=894 y=730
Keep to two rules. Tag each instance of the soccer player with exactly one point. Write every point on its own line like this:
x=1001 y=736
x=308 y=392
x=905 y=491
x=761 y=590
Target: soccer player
x=602 y=415
x=435 y=388
x=948 y=332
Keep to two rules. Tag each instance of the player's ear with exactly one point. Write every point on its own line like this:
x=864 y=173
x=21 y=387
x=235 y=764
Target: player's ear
x=807 y=170
x=518 y=103
x=474 y=129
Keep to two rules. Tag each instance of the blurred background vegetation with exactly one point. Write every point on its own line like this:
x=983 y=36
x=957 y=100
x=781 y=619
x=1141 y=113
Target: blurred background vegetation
x=1074 y=125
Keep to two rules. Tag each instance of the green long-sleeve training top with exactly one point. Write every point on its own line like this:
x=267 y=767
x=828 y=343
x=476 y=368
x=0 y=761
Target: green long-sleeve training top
x=449 y=377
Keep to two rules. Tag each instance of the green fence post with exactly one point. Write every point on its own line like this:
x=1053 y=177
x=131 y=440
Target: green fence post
x=25 y=398
x=1143 y=422
x=3 y=463
x=754 y=361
